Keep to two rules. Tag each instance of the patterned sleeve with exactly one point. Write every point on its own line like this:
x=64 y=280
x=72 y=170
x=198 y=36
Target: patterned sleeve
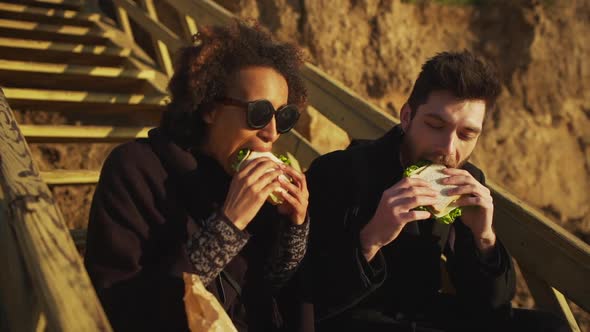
x=291 y=248
x=214 y=245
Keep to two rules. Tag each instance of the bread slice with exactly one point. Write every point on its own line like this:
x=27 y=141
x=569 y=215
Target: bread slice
x=433 y=174
x=275 y=197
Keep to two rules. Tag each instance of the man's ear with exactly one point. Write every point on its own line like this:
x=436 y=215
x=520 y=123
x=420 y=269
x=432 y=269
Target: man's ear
x=405 y=116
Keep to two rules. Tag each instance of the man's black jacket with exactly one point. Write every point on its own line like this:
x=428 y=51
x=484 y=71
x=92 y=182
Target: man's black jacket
x=405 y=276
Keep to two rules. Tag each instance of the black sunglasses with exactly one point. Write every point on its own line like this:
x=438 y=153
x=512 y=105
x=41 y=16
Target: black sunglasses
x=260 y=112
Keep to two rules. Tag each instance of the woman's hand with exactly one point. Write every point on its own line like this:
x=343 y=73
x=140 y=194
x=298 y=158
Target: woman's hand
x=249 y=189
x=295 y=194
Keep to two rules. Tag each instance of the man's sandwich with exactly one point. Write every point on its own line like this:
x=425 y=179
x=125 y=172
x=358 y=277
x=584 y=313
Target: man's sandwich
x=443 y=210
x=246 y=156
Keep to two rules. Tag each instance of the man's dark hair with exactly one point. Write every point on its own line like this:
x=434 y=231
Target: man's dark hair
x=202 y=70
x=460 y=73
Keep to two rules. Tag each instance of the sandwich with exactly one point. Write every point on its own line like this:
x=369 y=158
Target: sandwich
x=246 y=156
x=443 y=210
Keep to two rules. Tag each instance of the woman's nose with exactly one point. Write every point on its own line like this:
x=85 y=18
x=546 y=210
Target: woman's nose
x=269 y=132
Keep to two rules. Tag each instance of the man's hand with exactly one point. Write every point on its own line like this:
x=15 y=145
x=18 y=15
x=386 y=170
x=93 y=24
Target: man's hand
x=477 y=206
x=395 y=210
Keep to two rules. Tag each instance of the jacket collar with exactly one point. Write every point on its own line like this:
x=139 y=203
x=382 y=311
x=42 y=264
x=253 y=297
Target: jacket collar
x=175 y=159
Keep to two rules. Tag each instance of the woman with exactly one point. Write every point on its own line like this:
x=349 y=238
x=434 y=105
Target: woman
x=172 y=203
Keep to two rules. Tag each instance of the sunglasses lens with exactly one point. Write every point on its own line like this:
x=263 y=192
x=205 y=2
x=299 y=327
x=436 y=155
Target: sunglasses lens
x=287 y=118
x=260 y=113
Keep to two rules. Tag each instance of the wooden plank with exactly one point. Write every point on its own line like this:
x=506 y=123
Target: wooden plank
x=22 y=96
x=44 y=51
x=53 y=28
x=162 y=53
x=543 y=247
x=41 y=45
x=56 y=270
x=47 y=15
x=51 y=32
x=89 y=71
x=70 y=177
x=38 y=75
x=75 y=134
x=155 y=29
x=550 y=299
x=20 y=306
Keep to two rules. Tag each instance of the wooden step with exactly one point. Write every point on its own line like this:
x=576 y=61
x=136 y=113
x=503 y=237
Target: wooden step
x=52 y=32
x=78 y=134
x=46 y=15
x=70 y=177
x=84 y=101
x=39 y=75
x=56 y=4
x=46 y=51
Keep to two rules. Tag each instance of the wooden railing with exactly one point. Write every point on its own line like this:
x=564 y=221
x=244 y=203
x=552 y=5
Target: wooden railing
x=555 y=263
x=43 y=284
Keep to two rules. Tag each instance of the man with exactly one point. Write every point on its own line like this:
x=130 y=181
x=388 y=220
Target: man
x=375 y=259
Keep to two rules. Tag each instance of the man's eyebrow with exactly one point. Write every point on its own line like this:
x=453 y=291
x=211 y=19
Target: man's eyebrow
x=470 y=128
x=437 y=117
x=473 y=129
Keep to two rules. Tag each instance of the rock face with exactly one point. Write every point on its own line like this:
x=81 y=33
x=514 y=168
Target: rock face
x=539 y=137
x=537 y=143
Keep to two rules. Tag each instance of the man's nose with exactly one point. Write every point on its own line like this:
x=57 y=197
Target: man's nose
x=269 y=132
x=447 y=144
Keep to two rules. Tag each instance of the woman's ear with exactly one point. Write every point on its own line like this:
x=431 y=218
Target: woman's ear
x=405 y=116
x=209 y=116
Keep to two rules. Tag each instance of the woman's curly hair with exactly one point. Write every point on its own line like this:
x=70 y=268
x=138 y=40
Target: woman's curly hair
x=202 y=70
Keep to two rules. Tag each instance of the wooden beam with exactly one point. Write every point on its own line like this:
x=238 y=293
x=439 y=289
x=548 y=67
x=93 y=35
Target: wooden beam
x=543 y=247
x=204 y=12
x=154 y=28
x=162 y=53
x=52 y=261
x=74 y=134
x=359 y=118
x=123 y=20
x=20 y=306
x=550 y=299
x=189 y=26
x=70 y=177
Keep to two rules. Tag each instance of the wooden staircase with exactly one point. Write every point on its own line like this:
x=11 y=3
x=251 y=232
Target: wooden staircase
x=60 y=62
x=73 y=77
x=57 y=58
